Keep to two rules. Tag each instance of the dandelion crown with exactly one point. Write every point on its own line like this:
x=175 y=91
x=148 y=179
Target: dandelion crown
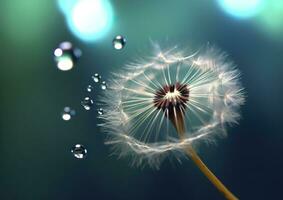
x=165 y=104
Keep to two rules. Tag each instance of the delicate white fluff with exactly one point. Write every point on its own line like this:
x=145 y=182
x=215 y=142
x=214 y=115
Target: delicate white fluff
x=134 y=125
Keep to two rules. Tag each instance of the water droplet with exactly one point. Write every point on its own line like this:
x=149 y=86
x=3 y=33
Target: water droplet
x=96 y=78
x=103 y=85
x=67 y=113
x=66 y=56
x=79 y=151
x=119 y=42
x=87 y=103
x=89 y=88
x=100 y=111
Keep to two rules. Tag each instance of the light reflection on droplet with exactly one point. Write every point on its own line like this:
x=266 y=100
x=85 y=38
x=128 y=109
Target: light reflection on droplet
x=103 y=85
x=119 y=42
x=79 y=151
x=89 y=88
x=58 y=52
x=87 y=103
x=67 y=114
x=66 y=56
x=96 y=78
x=100 y=111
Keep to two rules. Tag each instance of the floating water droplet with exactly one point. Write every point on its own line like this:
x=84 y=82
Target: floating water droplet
x=89 y=88
x=119 y=42
x=100 y=111
x=67 y=113
x=79 y=151
x=87 y=103
x=96 y=78
x=66 y=56
x=103 y=85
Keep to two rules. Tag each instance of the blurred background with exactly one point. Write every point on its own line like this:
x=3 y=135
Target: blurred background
x=35 y=142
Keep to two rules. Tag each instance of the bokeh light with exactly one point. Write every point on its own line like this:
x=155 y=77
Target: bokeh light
x=65 y=6
x=271 y=18
x=89 y=20
x=241 y=9
x=22 y=21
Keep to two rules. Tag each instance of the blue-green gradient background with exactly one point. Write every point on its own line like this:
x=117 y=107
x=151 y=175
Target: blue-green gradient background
x=36 y=163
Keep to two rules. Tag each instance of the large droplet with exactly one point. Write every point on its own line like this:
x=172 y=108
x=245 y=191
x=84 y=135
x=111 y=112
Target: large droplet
x=96 y=78
x=67 y=113
x=119 y=42
x=79 y=151
x=66 y=56
x=103 y=85
x=87 y=103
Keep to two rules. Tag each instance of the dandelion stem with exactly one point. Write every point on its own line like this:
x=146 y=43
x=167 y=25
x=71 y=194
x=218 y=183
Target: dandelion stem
x=203 y=168
x=213 y=179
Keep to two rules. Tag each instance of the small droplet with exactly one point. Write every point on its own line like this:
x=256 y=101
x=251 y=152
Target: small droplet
x=100 y=111
x=96 y=78
x=89 y=88
x=66 y=56
x=67 y=113
x=87 y=103
x=79 y=151
x=103 y=85
x=119 y=42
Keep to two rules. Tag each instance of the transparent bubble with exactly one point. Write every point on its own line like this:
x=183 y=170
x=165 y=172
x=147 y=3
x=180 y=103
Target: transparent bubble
x=66 y=56
x=100 y=111
x=119 y=42
x=89 y=88
x=96 y=78
x=103 y=85
x=79 y=151
x=67 y=113
x=87 y=103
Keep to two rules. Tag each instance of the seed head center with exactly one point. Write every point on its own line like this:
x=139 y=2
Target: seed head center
x=172 y=96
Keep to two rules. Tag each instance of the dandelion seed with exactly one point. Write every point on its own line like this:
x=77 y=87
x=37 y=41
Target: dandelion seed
x=164 y=105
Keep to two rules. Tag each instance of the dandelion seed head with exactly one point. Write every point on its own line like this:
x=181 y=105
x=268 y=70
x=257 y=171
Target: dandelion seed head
x=202 y=90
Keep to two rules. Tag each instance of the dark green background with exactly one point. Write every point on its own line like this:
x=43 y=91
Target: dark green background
x=36 y=163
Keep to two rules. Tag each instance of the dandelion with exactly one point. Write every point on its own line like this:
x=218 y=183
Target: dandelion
x=166 y=104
